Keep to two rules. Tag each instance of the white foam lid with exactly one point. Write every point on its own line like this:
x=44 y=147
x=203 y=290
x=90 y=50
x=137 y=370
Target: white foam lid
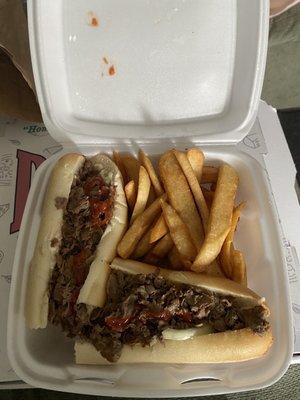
x=181 y=67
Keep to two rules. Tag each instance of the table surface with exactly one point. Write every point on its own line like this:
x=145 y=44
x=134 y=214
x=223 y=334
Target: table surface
x=282 y=90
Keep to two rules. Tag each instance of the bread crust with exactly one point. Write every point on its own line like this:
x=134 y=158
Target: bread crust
x=228 y=346
x=43 y=261
x=93 y=291
x=224 y=347
x=226 y=287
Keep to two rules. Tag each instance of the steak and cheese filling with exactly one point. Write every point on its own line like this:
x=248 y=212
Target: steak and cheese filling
x=140 y=308
x=87 y=212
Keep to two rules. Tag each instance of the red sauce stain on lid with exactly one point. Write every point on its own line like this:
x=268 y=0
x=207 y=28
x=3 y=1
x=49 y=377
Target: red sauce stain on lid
x=111 y=70
x=92 y=19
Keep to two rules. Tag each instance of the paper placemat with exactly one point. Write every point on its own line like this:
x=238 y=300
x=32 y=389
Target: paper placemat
x=23 y=147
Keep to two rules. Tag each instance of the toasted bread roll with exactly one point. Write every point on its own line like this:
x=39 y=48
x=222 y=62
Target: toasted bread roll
x=50 y=236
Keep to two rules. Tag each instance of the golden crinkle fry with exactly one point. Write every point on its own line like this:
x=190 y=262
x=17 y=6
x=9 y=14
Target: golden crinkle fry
x=184 y=217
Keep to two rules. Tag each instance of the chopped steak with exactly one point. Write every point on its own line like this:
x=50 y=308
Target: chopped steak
x=61 y=202
x=140 y=307
x=54 y=242
x=87 y=213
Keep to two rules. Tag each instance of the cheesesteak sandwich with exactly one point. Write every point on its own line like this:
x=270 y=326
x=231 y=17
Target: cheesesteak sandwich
x=129 y=311
x=161 y=316
x=83 y=218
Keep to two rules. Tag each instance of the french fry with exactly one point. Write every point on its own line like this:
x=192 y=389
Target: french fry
x=220 y=217
x=179 y=232
x=177 y=262
x=239 y=273
x=209 y=174
x=119 y=162
x=146 y=162
x=142 y=223
x=159 y=230
x=130 y=194
x=187 y=265
x=142 y=194
x=225 y=254
x=196 y=159
x=225 y=260
x=194 y=186
x=160 y=250
x=132 y=168
x=180 y=196
x=214 y=269
x=143 y=246
x=174 y=259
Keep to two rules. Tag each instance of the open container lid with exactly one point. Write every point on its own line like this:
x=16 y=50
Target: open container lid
x=148 y=69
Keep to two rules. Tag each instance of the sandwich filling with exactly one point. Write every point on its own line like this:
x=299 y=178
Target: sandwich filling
x=140 y=308
x=87 y=212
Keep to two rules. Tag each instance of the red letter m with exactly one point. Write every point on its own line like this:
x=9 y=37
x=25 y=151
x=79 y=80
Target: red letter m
x=26 y=161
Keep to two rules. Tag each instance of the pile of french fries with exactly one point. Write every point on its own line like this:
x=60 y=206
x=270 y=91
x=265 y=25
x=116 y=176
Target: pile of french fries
x=182 y=216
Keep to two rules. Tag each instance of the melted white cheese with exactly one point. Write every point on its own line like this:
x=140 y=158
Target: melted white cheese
x=185 y=334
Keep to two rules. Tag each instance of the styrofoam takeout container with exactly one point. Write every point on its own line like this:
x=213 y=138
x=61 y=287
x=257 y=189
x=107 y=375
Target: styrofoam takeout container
x=65 y=53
